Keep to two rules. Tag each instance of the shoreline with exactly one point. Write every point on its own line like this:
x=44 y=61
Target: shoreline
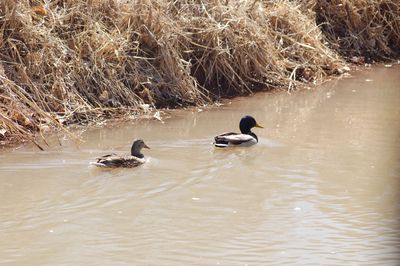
x=164 y=114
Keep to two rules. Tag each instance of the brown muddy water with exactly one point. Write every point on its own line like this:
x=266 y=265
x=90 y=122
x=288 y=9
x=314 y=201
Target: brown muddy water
x=321 y=187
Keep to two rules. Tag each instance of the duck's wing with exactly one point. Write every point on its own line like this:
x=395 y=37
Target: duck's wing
x=109 y=160
x=231 y=138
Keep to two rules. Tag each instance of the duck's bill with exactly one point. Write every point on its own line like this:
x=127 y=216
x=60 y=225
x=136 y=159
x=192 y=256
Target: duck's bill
x=257 y=125
x=145 y=146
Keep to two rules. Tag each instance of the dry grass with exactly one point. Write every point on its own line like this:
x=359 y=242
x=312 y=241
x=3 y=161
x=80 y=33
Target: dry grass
x=368 y=28
x=66 y=62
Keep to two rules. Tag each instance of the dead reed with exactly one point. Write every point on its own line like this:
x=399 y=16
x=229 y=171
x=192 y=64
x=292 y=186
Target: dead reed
x=368 y=28
x=66 y=62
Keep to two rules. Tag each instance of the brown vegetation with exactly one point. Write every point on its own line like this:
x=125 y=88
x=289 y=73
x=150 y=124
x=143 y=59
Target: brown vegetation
x=361 y=28
x=68 y=61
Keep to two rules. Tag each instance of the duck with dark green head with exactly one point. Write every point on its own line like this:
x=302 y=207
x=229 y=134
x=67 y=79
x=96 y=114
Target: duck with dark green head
x=245 y=138
x=113 y=161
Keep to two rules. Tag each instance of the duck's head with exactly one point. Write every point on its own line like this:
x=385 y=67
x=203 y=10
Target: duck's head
x=137 y=146
x=247 y=123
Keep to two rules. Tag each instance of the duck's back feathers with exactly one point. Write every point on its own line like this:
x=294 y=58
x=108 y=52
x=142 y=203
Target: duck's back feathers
x=235 y=139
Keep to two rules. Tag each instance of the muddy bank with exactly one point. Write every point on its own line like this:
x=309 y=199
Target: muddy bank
x=69 y=62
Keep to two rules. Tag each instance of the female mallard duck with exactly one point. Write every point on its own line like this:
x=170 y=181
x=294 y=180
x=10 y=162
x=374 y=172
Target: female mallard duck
x=112 y=160
x=245 y=138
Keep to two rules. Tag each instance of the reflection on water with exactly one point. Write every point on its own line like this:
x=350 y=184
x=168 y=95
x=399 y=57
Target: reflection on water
x=321 y=187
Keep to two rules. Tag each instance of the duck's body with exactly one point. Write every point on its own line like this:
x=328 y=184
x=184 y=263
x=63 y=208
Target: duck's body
x=234 y=139
x=245 y=138
x=113 y=161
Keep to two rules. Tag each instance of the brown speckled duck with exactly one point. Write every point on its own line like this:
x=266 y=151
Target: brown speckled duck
x=113 y=161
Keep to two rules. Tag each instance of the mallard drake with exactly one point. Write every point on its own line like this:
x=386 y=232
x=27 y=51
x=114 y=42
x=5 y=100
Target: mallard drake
x=135 y=159
x=245 y=138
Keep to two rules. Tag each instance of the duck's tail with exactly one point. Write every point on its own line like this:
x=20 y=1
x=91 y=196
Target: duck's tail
x=220 y=145
x=98 y=164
